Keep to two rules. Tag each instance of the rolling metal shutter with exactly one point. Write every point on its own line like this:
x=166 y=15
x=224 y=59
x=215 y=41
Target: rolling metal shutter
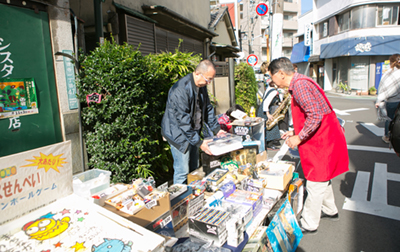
x=167 y=41
x=141 y=33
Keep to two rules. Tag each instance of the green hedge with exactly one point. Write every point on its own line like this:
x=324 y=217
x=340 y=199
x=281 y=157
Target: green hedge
x=123 y=131
x=246 y=86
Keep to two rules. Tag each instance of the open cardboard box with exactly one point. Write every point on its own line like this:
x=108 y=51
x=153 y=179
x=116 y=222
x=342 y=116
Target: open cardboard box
x=282 y=177
x=145 y=216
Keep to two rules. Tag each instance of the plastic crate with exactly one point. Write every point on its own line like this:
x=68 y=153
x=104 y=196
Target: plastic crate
x=90 y=182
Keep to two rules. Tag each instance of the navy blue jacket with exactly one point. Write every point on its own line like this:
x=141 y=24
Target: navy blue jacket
x=177 y=125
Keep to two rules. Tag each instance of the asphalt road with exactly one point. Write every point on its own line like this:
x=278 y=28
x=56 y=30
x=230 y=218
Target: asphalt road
x=369 y=210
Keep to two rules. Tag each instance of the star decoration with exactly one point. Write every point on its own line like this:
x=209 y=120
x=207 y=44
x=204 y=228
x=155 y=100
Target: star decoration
x=78 y=211
x=86 y=213
x=65 y=211
x=48 y=216
x=81 y=219
x=78 y=246
x=58 y=244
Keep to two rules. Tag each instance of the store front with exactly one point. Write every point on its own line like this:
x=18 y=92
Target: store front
x=354 y=59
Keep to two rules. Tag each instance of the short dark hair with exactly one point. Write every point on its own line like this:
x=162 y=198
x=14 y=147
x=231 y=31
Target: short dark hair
x=233 y=108
x=204 y=65
x=283 y=64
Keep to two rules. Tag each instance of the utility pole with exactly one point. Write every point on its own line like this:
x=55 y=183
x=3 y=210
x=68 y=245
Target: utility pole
x=98 y=17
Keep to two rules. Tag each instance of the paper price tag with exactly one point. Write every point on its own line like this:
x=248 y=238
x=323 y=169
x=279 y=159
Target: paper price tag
x=151 y=204
x=166 y=221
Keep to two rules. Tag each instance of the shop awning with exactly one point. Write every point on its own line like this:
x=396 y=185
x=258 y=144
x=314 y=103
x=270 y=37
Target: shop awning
x=361 y=46
x=173 y=21
x=227 y=51
x=300 y=53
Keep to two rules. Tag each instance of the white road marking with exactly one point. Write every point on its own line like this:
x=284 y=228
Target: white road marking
x=378 y=204
x=374 y=129
x=347 y=111
x=370 y=148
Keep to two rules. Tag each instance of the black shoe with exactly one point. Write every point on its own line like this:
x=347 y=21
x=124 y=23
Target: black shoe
x=306 y=231
x=334 y=217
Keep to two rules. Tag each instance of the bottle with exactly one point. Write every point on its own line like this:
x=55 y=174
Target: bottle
x=252 y=112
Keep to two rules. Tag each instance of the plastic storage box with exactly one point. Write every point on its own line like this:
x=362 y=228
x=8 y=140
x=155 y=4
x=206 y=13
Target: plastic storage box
x=90 y=182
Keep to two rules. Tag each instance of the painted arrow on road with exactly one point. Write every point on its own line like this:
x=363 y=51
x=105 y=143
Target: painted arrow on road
x=347 y=111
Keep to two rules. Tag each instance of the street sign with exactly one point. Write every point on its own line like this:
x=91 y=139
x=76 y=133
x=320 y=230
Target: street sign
x=252 y=60
x=262 y=9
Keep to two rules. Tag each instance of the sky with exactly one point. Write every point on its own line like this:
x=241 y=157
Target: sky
x=306 y=5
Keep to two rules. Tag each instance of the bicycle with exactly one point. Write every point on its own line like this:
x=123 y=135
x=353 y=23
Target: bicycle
x=343 y=87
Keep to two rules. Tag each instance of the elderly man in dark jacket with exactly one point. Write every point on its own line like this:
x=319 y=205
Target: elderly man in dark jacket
x=188 y=107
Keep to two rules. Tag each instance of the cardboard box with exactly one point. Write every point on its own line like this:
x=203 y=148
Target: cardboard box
x=278 y=175
x=195 y=175
x=145 y=216
x=163 y=225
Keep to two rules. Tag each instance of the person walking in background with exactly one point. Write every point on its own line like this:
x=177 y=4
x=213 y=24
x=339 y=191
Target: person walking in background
x=188 y=107
x=319 y=138
x=389 y=91
x=270 y=103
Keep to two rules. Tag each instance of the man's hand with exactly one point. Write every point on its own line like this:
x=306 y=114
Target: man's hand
x=221 y=132
x=377 y=105
x=270 y=117
x=293 y=141
x=287 y=134
x=204 y=146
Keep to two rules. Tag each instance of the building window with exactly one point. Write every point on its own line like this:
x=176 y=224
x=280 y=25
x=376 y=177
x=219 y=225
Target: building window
x=287 y=17
x=323 y=29
x=288 y=1
x=288 y=34
x=344 y=21
x=363 y=17
x=241 y=15
x=287 y=53
x=387 y=15
x=264 y=52
x=241 y=6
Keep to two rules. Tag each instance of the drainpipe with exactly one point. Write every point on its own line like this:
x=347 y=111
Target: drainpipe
x=98 y=18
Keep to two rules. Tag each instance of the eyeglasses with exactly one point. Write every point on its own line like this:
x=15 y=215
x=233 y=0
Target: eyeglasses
x=207 y=80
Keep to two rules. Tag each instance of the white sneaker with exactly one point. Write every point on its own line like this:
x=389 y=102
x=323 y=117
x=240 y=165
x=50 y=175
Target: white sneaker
x=385 y=139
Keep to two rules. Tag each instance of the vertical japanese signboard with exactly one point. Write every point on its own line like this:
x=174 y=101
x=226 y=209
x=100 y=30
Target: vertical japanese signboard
x=70 y=79
x=26 y=55
x=31 y=179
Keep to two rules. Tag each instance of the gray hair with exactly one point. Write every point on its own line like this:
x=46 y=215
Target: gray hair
x=204 y=65
x=283 y=64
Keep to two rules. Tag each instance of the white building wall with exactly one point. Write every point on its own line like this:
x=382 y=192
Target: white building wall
x=328 y=74
x=328 y=8
x=306 y=18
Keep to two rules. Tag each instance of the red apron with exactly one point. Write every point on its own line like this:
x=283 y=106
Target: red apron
x=324 y=153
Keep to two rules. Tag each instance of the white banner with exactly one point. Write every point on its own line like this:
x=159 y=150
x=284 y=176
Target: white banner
x=32 y=179
x=277 y=35
x=307 y=35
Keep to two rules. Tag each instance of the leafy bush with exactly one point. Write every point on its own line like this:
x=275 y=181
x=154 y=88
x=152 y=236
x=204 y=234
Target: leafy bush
x=121 y=131
x=245 y=86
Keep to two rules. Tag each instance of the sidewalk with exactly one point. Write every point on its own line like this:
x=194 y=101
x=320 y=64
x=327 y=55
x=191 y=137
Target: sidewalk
x=350 y=96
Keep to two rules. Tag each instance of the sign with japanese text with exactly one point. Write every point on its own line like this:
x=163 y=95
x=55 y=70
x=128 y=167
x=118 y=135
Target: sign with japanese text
x=307 y=35
x=31 y=179
x=18 y=97
x=70 y=79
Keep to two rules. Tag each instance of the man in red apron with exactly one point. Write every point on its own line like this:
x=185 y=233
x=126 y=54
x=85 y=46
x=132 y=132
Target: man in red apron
x=319 y=138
